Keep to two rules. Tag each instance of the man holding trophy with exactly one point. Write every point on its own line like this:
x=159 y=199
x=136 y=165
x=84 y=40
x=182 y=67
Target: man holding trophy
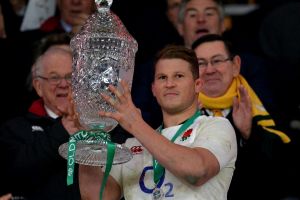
x=190 y=156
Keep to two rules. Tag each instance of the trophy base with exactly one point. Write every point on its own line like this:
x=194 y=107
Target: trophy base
x=94 y=153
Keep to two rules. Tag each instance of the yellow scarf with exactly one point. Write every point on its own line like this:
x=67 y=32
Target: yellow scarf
x=258 y=110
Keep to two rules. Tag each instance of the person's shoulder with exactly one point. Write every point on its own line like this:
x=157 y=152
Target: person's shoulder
x=15 y=126
x=214 y=125
x=17 y=120
x=212 y=119
x=26 y=117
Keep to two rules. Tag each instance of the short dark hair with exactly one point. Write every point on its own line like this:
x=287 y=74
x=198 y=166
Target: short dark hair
x=180 y=52
x=212 y=38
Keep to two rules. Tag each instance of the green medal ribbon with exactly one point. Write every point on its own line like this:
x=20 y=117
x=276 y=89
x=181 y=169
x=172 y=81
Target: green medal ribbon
x=158 y=169
x=98 y=136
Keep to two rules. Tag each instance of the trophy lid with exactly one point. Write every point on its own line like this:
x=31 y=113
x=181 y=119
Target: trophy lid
x=103 y=30
x=103 y=53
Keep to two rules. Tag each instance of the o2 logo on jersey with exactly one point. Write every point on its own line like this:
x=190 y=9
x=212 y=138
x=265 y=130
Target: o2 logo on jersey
x=167 y=187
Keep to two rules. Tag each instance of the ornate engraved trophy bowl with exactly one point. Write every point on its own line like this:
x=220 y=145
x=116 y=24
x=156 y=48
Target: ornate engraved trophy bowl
x=103 y=53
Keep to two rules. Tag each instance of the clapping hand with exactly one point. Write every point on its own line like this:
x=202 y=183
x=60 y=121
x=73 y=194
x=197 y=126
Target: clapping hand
x=242 y=113
x=70 y=118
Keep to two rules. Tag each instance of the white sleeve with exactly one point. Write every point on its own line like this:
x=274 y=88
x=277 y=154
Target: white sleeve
x=218 y=136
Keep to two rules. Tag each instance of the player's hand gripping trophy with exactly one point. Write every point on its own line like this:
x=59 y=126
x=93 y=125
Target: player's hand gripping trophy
x=103 y=53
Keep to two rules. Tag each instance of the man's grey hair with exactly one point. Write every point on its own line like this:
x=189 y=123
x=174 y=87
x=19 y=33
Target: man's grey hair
x=40 y=48
x=37 y=67
x=183 y=4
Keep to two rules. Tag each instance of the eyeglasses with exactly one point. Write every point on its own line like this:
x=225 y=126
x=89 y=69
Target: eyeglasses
x=55 y=80
x=215 y=62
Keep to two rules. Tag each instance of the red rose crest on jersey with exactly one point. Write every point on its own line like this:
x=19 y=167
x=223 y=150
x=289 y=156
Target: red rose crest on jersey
x=136 y=150
x=186 y=135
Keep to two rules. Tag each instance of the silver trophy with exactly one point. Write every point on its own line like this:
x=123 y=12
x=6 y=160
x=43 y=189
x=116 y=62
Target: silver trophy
x=103 y=53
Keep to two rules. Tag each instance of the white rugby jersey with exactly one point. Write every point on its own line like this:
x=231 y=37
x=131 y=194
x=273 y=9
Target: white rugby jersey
x=213 y=133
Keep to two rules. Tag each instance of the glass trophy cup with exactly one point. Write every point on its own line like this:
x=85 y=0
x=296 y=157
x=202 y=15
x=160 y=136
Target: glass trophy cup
x=103 y=53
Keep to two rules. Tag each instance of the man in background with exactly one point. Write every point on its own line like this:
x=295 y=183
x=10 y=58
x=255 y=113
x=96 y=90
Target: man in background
x=31 y=167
